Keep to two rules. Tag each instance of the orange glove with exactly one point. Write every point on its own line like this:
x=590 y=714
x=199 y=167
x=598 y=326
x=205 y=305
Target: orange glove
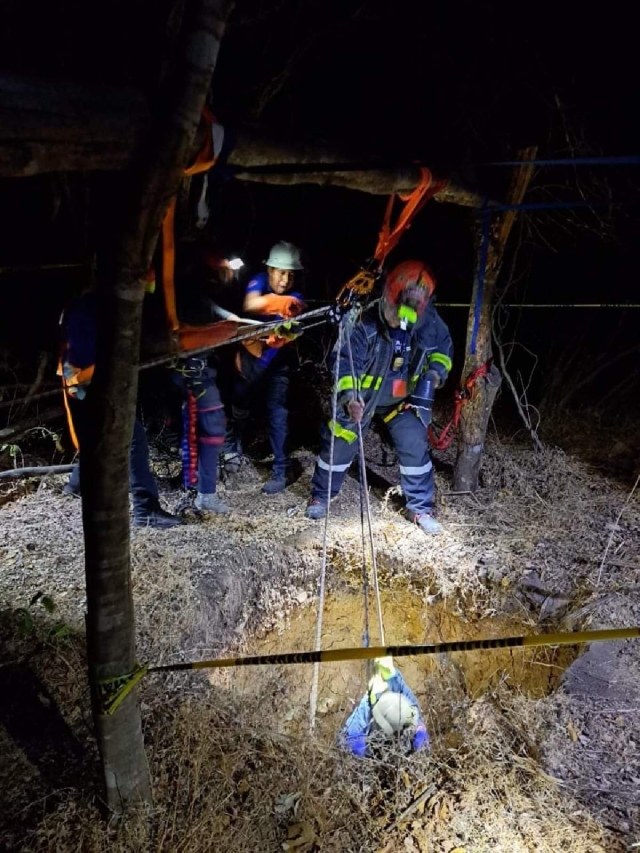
x=285 y=306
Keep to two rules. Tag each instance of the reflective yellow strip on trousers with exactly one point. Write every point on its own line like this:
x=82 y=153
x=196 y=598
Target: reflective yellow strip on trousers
x=342 y=432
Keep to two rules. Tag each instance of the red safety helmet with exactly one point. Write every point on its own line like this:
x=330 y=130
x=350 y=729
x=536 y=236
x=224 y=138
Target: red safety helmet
x=411 y=283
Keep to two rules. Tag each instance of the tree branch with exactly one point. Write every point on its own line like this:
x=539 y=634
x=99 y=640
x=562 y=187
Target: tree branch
x=57 y=126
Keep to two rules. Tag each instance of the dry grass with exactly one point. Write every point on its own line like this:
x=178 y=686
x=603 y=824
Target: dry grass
x=225 y=779
x=508 y=774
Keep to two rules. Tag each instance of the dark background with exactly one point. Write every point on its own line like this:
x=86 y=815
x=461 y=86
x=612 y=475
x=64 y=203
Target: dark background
x=457 y=85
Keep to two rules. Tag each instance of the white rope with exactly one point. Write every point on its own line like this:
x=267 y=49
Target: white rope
x=313 y=701
x=365 y=493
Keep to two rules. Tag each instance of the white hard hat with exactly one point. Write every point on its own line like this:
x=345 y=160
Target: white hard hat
x=284 y=256
x=393 y=712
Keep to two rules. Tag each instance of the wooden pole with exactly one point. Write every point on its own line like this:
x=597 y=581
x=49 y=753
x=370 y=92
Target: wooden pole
x=492 y=239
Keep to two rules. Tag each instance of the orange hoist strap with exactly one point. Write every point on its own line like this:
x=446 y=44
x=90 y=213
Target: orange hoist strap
x=198 y=337
x=83 y=375
x=169 y=265
x=205 y=159
x=413 y=203
x=72 y=429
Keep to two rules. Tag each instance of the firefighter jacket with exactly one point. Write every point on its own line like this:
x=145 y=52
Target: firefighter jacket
x=427 y=346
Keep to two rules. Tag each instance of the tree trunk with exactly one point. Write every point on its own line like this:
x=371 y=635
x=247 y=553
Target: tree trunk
x=104 y=469
x=476 y=412
x=69 y=127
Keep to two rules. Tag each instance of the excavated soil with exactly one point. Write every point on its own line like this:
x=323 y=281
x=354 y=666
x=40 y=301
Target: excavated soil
x=535 y=752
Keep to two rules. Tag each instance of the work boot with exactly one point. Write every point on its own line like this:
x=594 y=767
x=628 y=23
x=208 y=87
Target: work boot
x=211 y=503
x=316 y=509
x=276 y=483
x=158 y=518
x=426 y=522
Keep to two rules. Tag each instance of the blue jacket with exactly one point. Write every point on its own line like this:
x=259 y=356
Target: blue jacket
x=427 y=347
x=259 y=285
x=358 y=725
x=79 y=326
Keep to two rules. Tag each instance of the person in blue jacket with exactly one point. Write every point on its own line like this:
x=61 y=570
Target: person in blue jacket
x=388 y=707
x=79 y=332
x=402 y=352
x=264 y=368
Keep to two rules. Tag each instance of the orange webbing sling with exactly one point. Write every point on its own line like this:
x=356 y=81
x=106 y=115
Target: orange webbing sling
x=205 y=159
x=413 y=202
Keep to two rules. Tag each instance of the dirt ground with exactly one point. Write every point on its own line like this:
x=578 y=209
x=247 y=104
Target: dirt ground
x=531 y=752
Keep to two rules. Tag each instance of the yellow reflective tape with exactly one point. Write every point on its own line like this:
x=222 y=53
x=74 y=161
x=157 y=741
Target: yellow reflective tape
x=441 y=358
x=366 y=381
x=378 y=383
x=392 y=414
x=342 y=432
x=346 y=383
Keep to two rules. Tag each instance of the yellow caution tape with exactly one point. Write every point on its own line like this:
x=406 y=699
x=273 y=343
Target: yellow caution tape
x=335 y=655
x=113 y=691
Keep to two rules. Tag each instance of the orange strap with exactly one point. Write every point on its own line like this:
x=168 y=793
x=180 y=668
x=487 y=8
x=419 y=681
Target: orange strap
x=460 y=397
x=83 y=375
x=169 y=266
x=413 y=203
x=204 y=161
x=72 y=430
x=197 y=337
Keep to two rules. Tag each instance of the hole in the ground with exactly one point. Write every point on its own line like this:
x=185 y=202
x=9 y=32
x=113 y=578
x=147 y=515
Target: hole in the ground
x=438 y=682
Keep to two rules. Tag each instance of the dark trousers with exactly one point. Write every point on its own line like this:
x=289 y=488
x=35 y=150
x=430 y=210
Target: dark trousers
x=410 y=440
x=144 y=490
x=269 y=387
x=204 y=424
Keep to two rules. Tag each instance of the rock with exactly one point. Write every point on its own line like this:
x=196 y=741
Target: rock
x=600 y=672
x=550 y=603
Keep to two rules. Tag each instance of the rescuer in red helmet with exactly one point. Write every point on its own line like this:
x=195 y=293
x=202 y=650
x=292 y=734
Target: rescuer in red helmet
x=401 y=353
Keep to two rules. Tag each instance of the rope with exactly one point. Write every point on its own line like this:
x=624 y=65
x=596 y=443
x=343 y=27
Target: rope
x=576 y=161
x=365 y=495
x=365 y=570
x=313 y=700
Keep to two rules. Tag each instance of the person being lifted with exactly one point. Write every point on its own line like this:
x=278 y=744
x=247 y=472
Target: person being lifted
x=263 y=369
x=401 y=353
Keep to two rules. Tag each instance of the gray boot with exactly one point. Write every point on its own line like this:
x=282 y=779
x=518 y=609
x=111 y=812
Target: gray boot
x=211 y=503
x=316 y=509
x=428 y=523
